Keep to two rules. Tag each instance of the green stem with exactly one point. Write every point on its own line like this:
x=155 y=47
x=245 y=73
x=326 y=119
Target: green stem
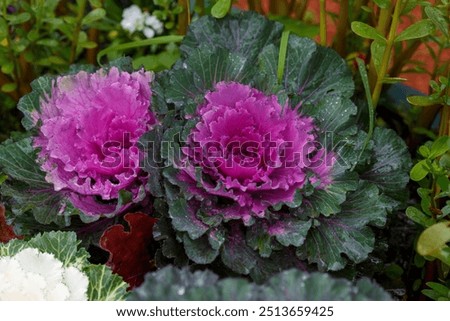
x=282 y=55
x=323 y=23
x=444 y=128
x=384 y=20
x=136 y=44
x=387 y=54
x=183 y=17
x=73 y=50
x=341 y=31
x=365 y=80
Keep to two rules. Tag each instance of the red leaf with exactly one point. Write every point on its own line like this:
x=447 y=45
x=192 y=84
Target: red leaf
x=130 y=251
x=6 y=231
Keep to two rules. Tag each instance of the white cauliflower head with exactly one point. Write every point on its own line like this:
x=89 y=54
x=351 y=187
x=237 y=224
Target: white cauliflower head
x=33 y=275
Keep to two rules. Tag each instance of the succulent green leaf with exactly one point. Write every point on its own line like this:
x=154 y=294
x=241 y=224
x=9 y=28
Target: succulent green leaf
x=419 y=217
x=364 y=30
x=18 y=18
x=438 y=19
x=221 y=8
x=424 y=101
x=440 y=146
x=419 y=29
x=383 y=4
x=419 y=171
x=93 y=16
x=10 y=87
x=433 y=242
x=377 y=49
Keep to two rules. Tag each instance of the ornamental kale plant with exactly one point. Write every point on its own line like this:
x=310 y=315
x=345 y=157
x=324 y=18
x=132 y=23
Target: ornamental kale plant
x=255 y=151
x=52 y=266
x=82 y=156
x=264 y=168
x=174 y=284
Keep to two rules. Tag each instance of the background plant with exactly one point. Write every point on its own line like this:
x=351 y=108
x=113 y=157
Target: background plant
x=175 y=284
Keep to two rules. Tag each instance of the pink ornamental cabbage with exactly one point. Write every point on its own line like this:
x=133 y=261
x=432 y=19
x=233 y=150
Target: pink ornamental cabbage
x=90 y=124
x=252 y=152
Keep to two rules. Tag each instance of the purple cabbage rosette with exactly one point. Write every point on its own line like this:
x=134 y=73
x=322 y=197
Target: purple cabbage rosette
x=261 y=174
x=84 y=156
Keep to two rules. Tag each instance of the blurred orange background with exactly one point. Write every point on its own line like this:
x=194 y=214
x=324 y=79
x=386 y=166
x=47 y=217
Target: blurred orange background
x=419 y=81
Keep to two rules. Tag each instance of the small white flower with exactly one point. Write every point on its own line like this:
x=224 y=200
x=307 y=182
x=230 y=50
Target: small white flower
x=32 y=275
x=133 y=19
x=155 y=24
x=149 y=32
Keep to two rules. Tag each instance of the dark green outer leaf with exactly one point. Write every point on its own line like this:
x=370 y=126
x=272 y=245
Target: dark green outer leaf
x=151 y=141
x=199 y=250
x=333 y=114
x=245 y=34
x=184 y=219
x=27 y=187
x=390 y=166
x=173 y=284
x=30 y=102
x=198 y=74
x=18 y=161
x=294 y=232
x=347 y=232
x=171 y=247
x=326 y=242
x=236 y=254
x=311 y=72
